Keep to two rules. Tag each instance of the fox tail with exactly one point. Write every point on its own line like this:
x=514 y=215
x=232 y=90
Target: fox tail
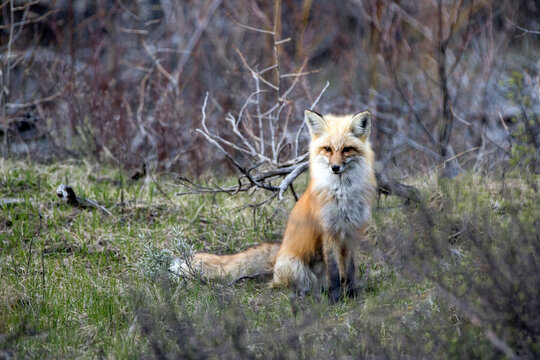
x=255 y=261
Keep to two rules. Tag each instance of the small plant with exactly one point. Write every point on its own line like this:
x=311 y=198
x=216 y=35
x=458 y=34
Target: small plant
x=181 y=243
x=154 y=262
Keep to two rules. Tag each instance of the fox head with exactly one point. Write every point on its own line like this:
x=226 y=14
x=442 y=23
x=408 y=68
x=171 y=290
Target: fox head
x=339 y=143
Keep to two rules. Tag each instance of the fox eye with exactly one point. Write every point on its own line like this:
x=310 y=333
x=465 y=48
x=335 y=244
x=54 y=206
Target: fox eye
x=347 y=149
x=327 y=149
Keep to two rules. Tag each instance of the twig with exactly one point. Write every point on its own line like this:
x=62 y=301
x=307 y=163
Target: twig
x=192 y=42
x=456 y=156
x=296 y=139
x=252 y=28
x=34 y=102
x=254 y=73
x=412 y=110
x=289 y=179
x=28 y=22
x=413 y=144
x=259 y=117
x=496 y=341
x=267 y=69
x=142 y=92
x=528 y=31
x=133 y=31
x=67 y=194
x=249 y=150
x=25 y=6
x=296 y=77
x=160 y=189
x=157 y=63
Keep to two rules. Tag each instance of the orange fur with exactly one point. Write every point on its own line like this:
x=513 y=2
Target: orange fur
x=326 y=222
x=303 y=233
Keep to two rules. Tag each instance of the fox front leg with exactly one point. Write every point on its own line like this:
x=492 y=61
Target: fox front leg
x=347 y=270
x=350 y=290
x=332 y=274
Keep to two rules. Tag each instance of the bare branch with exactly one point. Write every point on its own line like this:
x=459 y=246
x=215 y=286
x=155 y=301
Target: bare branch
x=283 y=41
x=251 y=150
x=527 y=31
x=393 y=187
x=157 y=63
x=295 y=81
x=289 y=179
x=413 y=144
x=297 y=138
x=253 y=28
x=34 y=102
x=23 y=7
x=415 y=24
x=259 y=117
x=297 y=74
x=133 y=31
x=192 y=42
x=268 y=69
x=67 y=194
x=254 y=73
x=28 y=22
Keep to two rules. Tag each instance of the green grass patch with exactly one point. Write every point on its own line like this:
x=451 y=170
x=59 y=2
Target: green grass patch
x=436 y=280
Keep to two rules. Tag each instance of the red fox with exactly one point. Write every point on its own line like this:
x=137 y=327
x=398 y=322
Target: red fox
x=326 y=223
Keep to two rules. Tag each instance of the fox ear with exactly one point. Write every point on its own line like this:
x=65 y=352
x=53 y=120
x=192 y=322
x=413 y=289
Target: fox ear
x=315 y=123
x=361 y=124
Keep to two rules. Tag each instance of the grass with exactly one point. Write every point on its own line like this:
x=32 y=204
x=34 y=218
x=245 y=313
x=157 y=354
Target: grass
x=79 y=283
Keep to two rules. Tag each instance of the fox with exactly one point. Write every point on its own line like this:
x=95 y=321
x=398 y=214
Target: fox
x=325 y=225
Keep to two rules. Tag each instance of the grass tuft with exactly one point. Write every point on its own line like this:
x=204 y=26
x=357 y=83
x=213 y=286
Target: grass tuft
x=455 y=277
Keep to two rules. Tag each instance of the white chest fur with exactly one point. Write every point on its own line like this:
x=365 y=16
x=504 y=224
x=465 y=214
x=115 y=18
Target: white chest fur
x=347 y=206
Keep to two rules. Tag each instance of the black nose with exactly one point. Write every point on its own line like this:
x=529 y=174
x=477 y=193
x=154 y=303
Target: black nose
x=335 y=169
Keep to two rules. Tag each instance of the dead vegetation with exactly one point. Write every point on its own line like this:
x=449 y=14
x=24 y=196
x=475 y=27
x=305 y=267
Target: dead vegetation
x=125 y=83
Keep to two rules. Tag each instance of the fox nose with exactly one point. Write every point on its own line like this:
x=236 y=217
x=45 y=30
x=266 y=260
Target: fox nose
x=335 y=169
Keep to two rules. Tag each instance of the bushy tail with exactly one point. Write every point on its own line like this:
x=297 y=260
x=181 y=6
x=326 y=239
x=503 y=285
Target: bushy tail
x=255 y=261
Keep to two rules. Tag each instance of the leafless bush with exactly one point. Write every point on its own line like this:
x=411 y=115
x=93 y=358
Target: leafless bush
x=125 y=82
x=460 y=52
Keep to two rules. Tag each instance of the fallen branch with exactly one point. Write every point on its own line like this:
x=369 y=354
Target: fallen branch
x=392 y=187
x=66 y=193
x=385 y=186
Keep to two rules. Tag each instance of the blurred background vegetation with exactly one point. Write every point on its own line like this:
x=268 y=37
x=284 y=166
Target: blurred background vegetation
x=124 y=82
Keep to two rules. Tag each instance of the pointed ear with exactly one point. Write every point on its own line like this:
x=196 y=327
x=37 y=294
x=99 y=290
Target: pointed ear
x=361 y=124
x=315 y=123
